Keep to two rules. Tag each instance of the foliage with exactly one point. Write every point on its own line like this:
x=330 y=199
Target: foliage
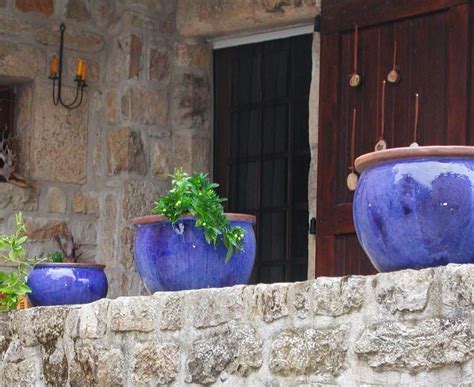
x=195 y=195
x=13 y=283
x=56 y=257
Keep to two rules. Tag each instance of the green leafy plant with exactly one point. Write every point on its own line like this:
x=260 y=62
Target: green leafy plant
x=56 y=257
x=13 y=283
x=196 y=195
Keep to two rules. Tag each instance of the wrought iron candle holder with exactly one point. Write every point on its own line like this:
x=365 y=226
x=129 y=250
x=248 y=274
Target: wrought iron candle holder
x=57 y=73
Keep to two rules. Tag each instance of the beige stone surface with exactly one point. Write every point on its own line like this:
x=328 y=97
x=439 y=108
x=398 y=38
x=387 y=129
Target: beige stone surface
x=78 y=10
x=12 y=26
x=159 y=66
x=58 y=139
x=219 y=17
x=139 y=198
x=85 y=203
x=146 y=106
x=191 y=153
x=125 y=60
x=45 y=7
x=57 y=200
x=125 y=152
x=20 y=61
x=79 y=40
x=108 y=230
x=136 y=341
x=194 y=55
x=16 y=198
x=43 y=229
x=160 y=159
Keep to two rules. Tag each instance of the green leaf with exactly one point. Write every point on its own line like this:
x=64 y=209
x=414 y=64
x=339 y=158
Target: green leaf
x=196 y=195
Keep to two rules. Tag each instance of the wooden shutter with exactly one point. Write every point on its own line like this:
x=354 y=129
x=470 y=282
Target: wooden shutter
x=434 y=56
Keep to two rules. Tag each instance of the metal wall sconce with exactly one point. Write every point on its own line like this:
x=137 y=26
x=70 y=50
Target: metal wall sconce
x=56 y=71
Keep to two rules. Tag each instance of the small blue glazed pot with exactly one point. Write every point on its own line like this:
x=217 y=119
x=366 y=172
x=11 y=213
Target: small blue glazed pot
x=66 y=283
x=414 y=207
x=177 y=257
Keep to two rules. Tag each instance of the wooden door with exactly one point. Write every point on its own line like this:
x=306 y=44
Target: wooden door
x=261 y=147
x=434 y=57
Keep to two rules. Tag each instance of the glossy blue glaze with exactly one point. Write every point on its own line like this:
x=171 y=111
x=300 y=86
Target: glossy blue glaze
x=177 y=257
x=66 y=284
x=416 y=213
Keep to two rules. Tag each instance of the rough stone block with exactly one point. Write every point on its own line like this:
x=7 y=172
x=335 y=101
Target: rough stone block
x=193 y=55
x=43 y=229
x=208 y=18
x=125 y=60
x=45 y=7
x=337 y=296
x=158 y=68
x=85 y=203
x=405 y=291
x=160 y=159
x=155 y=362
x=73 y=39
x=84 y=232
x=78 y=10
x=217 y=306
x=271 y=301
x=172 y=313
x=145 y=106
x=111 y=106
x=13 y=26
x=107 y=230
x=191 y=103
x=235 y=347
x=20 y=61
x=111 y=368
x=88 y=322
x=56 y=199
x=139 y=198
x=58 y=139
x=127 y=237
x=191 y=153
x=16 y=198
x=457 y=286
x=308 y=351
x=133 y=314
x=125 y=152
x=416 y=345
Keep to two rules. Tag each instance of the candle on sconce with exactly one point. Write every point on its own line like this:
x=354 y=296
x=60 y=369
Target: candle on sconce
x=84 y=71
x=80 y=68
x=53 y=66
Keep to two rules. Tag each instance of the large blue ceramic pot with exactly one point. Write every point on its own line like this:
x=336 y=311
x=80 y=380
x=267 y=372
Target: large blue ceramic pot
x=414 y=207
x=66 y=283
x=177 y=257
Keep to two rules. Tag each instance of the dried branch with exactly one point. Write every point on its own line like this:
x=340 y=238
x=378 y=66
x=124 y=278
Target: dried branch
x=68 y=247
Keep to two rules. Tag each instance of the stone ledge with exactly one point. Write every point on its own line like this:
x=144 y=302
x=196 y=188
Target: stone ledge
x=410 y=326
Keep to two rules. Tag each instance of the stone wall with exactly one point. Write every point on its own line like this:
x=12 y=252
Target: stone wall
x=402 y=328
x=146 y=111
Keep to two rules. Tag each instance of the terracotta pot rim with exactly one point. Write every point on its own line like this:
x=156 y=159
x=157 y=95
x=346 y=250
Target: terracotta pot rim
x=147 y=219
x=455 y=151
x=84 y=265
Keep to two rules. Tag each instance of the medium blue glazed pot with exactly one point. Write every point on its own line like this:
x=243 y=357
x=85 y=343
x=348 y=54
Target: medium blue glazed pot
x=66 y=283
x=414 y=207
x=177 y=257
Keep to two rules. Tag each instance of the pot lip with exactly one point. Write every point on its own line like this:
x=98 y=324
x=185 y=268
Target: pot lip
x=373 y=158
x=83 y=265
x=147 y=219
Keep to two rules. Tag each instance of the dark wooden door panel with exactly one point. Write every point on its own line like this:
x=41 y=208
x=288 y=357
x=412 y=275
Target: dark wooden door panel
x=7 y=105
x=261 y=144
x=434 y=59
